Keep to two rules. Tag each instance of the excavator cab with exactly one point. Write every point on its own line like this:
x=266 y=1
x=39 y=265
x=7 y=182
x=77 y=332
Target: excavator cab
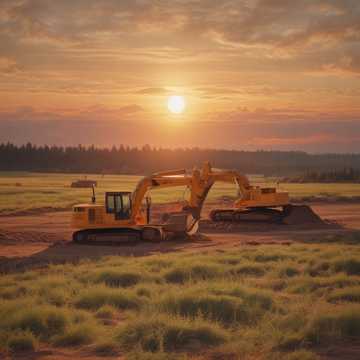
x=119 y=204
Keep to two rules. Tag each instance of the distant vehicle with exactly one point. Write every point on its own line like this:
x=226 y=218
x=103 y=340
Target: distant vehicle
x=84 y=183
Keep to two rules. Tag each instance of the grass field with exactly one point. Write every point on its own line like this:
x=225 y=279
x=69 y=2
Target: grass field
x=266 y=302
x=24 y=191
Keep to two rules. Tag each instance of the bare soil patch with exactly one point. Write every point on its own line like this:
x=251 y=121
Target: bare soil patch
x=36 y=240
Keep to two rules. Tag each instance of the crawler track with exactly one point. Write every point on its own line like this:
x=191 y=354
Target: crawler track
x=117 y=236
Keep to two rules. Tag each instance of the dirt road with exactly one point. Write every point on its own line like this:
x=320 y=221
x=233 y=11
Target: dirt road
x=34 y=240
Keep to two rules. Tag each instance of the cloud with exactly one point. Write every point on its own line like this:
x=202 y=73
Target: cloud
x=302 y=33
x=248 y=65
x=289 y=24
x=8 y=66
x=89 y=113
x=153 y=91
x=262 y=22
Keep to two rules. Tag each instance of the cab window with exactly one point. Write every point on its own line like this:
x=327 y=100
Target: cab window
x=126 y=204
x=119 y=204
x=110 y=204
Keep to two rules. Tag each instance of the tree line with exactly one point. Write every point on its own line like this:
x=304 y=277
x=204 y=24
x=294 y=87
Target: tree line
x=346 y=175
x=146 y=159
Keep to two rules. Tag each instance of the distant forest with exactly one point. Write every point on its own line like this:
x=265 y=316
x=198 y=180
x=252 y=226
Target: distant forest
x=346 y=175
x=144 y=160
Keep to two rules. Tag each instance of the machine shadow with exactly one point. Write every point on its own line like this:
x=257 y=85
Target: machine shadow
x=68 y=252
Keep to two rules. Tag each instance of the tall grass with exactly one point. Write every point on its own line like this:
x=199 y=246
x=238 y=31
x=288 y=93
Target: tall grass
x=163 y=334
x=96 y=297
x=22 y=342
x=343 y=324
x=251 y=302
x=188 y=272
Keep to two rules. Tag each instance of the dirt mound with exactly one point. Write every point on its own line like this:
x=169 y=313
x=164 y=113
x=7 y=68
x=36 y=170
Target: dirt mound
x=300 y=214
x=300 y=217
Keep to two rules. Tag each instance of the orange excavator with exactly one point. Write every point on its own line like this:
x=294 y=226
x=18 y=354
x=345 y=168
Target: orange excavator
x=258 y=204
x=122 y=217
x=254 y=204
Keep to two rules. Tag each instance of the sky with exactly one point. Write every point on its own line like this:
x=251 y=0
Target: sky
x=255 y=74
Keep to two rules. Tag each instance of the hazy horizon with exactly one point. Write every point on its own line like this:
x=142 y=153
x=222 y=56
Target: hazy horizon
x=174 y=147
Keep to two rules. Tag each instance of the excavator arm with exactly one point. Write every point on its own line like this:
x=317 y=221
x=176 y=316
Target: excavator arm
x=157 y=181
x=250 y=196
x=200 y=182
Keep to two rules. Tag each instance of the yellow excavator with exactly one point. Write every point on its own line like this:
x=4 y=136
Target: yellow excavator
x=122 y=217
x=255 y=203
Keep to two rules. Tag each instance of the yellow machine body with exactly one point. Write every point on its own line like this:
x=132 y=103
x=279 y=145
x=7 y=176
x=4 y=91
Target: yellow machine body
x=93 y=216
x=263 y=197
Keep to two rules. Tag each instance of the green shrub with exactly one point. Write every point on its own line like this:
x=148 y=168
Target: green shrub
x=107 y=348
x=177 y=337
x=24 y=341
x=57 y=297
x=93 y=299
x=271 y=257
x=106 y=312
x=141 y=355
x=143 y=292
x=288 y=271
x=184 y=274
x=249 y=269
x=13 y=292
x=252 y=297
x=293 y=322
x=349 y=266
x=229 y=260
x=42 y=321
x=118 y=279
x=310 y=284
x=75 y=335
x=351 y=294
x=339 y=325
x=164 y=334
x=352 y=238
x=221 y=308
x=156 y=265
x=290 y=342
x=301 y=355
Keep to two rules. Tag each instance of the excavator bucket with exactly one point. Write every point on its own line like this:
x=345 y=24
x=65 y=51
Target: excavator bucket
x=181 y=223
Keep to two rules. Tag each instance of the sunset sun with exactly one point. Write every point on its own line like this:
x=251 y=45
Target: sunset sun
x=176 y=104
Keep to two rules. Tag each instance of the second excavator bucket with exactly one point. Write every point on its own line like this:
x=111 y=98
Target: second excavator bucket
x=181 y=223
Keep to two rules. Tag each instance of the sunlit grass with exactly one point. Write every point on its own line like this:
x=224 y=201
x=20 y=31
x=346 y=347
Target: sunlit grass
x=21 y=191
x=278 y=301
